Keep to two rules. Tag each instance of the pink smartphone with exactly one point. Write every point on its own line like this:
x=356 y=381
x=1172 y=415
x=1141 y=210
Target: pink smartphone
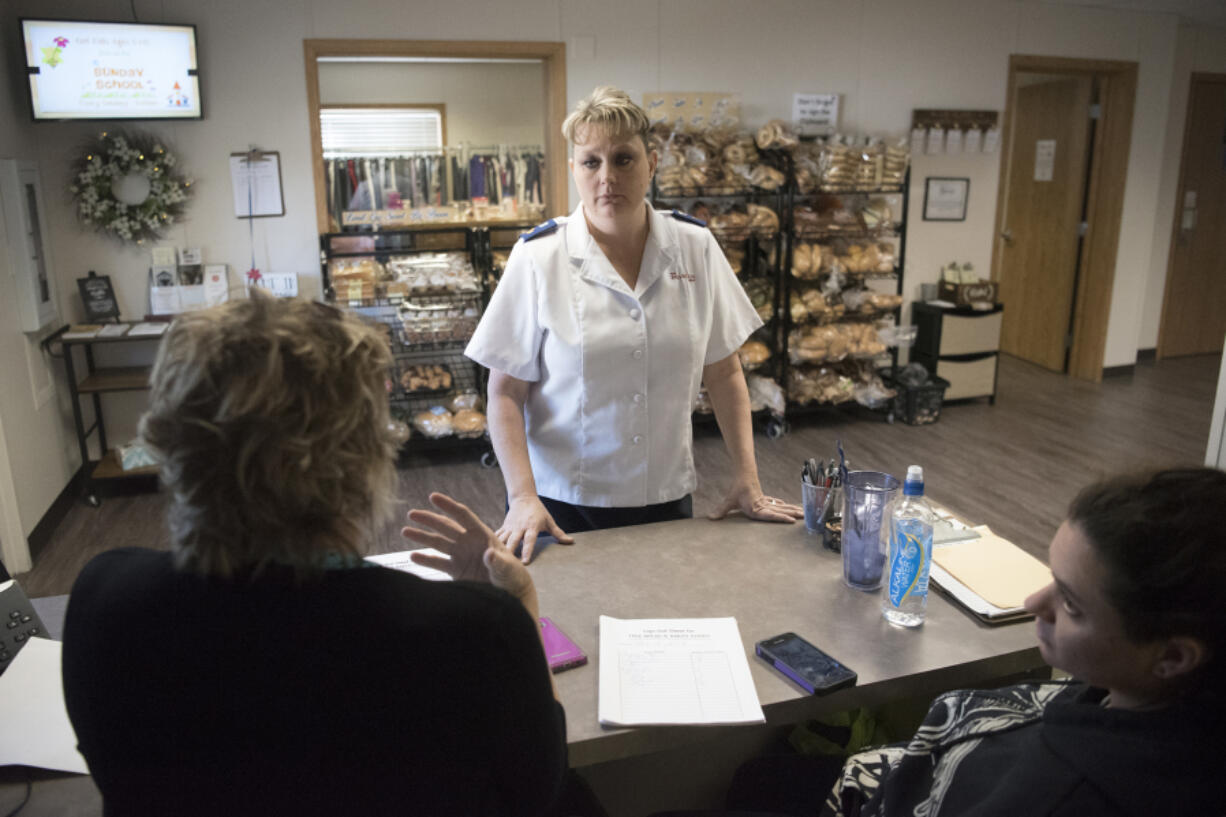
x=560 y=651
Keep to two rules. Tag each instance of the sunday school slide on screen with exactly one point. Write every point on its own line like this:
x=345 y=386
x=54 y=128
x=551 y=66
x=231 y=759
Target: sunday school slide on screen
x=108 y=70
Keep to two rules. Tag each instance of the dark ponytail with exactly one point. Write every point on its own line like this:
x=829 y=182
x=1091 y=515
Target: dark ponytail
x=1162 y=537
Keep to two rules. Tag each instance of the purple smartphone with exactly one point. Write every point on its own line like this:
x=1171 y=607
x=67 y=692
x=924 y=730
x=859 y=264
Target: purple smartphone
x=560 y=651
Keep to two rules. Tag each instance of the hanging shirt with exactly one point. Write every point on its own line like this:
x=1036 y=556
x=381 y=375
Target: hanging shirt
x=614 y=372
x=476 y=177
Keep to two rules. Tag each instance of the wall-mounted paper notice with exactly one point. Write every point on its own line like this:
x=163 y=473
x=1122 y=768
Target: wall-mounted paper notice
x=255 y=180
x=1044 y=159
x=816 y=113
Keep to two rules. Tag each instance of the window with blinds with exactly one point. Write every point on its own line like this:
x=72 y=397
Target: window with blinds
x=349 y=132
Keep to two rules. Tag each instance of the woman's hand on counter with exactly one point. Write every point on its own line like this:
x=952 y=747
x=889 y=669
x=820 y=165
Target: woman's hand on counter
x=750 y=501
x=526 y=520
x=473 y=551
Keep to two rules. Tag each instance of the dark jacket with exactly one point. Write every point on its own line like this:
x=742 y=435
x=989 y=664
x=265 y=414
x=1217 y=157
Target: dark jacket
x=1042 y=749
x=365 y=691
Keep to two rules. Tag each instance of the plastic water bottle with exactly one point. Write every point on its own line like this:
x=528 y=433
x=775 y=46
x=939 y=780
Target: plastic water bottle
x=909 y=557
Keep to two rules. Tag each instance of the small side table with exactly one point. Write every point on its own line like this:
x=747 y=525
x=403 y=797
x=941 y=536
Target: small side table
x=961 y=345
x=98 y=381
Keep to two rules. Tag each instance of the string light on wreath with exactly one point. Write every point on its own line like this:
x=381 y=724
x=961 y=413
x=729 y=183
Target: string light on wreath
x=127 y=184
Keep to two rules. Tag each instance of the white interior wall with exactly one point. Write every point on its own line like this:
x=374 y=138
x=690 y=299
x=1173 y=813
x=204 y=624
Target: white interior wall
x=38 y=459
x=486 y=103
x=884 y=56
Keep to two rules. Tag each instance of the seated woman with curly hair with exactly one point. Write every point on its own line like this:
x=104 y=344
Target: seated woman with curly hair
x=261 y=667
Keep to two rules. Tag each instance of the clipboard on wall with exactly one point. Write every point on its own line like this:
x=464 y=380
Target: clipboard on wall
x=255 y=179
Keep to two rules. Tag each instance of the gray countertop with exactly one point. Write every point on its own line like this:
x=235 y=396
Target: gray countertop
x=772 y=579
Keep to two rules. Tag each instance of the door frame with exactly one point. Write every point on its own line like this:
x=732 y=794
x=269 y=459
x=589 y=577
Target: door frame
x=1177 y=218
x=1105 y=197
x=552 y=55
x=14 y=547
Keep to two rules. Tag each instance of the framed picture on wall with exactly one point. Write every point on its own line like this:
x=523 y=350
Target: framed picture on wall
x=945 y=198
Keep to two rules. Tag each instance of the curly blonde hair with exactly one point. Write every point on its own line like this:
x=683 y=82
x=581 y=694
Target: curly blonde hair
x=270 y=421
x=610 y=109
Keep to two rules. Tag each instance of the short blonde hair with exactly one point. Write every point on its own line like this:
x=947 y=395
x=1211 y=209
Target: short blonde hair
x=610 y=109
x=270 y=421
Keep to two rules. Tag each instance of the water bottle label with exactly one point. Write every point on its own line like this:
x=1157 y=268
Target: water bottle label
x=910 y=550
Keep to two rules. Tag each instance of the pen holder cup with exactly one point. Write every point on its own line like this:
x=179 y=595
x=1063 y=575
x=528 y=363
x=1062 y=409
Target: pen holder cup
x=832 y=524
x=866 y=499
x=812 y=498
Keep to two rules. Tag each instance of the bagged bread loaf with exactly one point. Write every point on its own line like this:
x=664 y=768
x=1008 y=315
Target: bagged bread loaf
x=434 y=423
x=753 y=353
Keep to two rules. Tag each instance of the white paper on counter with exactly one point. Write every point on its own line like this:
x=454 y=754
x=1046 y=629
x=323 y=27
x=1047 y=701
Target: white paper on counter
x=36 y=728
x=401 y=561
x=674 y=671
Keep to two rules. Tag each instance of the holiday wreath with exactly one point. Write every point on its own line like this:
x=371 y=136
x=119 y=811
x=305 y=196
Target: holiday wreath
x=127 y=184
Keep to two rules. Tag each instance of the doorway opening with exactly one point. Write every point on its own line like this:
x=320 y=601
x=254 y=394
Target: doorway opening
x=399 y=76
x=1066 y=135
x=1194 y=303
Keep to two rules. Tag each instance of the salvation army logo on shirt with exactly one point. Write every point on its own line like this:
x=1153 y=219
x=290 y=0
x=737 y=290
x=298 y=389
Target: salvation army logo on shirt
x=688 y=277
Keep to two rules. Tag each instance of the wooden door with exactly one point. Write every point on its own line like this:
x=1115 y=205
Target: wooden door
x=1194 y=310
x=1038 y=243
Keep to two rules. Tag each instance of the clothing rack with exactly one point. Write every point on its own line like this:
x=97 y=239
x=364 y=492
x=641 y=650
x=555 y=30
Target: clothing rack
x=462 y=149
x=379 y=154
x=439 y=176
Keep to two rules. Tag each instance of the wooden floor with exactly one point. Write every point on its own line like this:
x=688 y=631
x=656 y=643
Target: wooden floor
x=1013 y=466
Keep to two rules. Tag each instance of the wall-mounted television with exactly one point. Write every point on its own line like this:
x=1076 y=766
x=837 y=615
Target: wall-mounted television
x=80 y=69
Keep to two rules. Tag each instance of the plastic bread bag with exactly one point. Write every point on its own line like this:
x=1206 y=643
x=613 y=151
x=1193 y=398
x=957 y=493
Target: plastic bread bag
x=753 y=353
x=468 y=423
x=873 y=394
x=765 y=393
x=898 y=335
x=467 y=399
x=434 y=424
x=762 y=295
x=857 y=300
x=896 y=158
x=834 y=283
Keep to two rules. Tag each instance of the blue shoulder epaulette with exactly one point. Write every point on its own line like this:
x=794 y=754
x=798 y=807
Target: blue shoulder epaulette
x=540 y=230
x=680 y=216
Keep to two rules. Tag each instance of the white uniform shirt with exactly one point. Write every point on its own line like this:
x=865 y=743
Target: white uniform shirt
x=614 y=373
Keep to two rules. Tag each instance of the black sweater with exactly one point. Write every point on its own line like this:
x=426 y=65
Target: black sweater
x=1043 y=749
x=365 y=691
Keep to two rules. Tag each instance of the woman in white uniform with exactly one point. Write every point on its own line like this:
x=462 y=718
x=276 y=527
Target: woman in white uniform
x=602 y=329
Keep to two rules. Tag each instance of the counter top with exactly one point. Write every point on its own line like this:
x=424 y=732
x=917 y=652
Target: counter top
x=772 y=578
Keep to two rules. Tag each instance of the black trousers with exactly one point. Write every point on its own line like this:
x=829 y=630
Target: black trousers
x=579 y=518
